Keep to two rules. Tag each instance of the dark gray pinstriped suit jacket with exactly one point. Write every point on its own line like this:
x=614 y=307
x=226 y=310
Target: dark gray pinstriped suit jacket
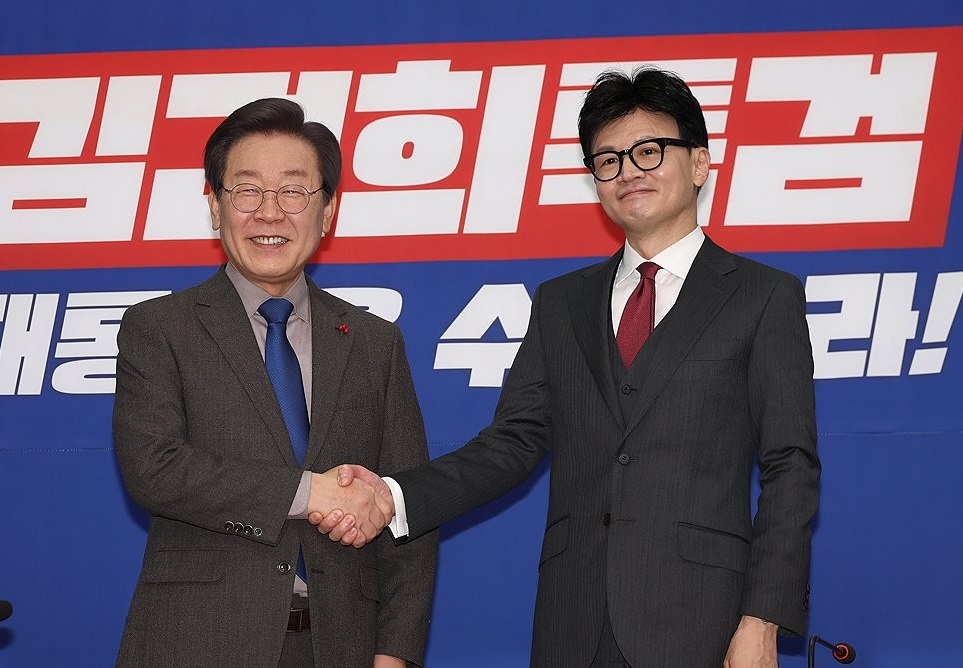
x=649 y=507
x=203 y=448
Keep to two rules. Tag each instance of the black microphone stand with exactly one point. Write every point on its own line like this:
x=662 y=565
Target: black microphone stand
x=842 y=652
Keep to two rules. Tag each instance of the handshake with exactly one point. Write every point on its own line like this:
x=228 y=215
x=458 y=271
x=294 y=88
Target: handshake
x=350 y=504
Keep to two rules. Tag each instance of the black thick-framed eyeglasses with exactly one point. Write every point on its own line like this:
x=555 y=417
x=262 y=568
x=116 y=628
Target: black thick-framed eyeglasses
x=646 y=154
x=247 y=197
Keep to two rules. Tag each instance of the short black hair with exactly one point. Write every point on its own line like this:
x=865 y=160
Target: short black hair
x=272 y=116
x=615 y=95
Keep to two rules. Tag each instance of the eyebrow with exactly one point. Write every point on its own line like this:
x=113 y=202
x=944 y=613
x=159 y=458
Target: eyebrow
x=254 y=173
x=634 y=142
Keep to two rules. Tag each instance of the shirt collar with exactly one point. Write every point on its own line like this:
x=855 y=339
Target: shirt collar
x=252 y=296
x=676 y=259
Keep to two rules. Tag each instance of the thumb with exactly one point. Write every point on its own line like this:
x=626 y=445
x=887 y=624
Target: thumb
x=346 y=475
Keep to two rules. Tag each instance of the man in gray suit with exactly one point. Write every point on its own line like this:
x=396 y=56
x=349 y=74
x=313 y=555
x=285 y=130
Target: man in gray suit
x=207 y=444
x=651 y=557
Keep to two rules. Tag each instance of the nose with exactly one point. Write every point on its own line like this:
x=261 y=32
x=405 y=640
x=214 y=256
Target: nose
x=629 y=170
x=269 y=209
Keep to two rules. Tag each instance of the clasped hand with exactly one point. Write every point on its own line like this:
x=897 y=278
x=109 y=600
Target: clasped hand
x=350 y=504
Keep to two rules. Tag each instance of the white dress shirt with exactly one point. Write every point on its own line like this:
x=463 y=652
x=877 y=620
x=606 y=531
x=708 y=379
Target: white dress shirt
x=675 y=262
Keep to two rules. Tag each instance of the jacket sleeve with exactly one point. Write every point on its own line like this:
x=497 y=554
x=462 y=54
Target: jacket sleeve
x=178 y=465
x=782 y=407
x=500 y=457
x=406 y=572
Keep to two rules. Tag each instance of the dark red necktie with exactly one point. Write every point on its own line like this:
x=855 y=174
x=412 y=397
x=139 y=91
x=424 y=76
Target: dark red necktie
x=638 y=318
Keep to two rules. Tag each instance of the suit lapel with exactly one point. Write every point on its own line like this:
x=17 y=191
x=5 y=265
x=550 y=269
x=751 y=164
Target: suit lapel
x=711 y=281
x=221 y=313
x=330 y=351
x=588 y=304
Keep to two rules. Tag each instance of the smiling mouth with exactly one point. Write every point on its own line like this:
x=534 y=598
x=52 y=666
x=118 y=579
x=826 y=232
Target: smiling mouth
x=637 y=191
x=269 y=241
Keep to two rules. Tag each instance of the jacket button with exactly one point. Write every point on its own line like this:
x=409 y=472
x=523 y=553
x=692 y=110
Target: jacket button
x=624 y=459
x=257 y=531
x=626 y=389
x=238 y=528
x=284 y=567
x=606 y=519
x=229 y=527
x=248 y=529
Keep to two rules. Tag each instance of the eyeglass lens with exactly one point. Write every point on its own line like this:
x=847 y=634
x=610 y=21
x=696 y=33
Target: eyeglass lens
x=645 y=155
x=247 y=198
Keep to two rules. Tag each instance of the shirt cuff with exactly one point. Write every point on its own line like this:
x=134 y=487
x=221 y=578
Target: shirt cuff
x=299 y=507
x=399 y=523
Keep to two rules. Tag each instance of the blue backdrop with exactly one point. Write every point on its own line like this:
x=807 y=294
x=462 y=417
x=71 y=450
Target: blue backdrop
x=887 y=543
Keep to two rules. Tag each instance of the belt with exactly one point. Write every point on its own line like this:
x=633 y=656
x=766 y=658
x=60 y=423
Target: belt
x=299 y=619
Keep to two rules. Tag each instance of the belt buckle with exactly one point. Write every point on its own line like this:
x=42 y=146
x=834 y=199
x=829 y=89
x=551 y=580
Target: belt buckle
x=299 y=619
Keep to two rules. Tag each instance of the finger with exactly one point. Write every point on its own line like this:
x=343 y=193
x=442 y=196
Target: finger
x=315 y=518
x=361 y=541
x=349 y=472
x=365 y=527
x=337 y=532
x=346 y=475
x=330 y=521
x=352 y=535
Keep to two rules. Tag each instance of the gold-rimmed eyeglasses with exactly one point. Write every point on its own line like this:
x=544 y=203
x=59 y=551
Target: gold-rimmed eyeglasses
x=247 y=197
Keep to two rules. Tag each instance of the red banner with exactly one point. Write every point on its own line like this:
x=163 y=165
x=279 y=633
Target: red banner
x=469 y=151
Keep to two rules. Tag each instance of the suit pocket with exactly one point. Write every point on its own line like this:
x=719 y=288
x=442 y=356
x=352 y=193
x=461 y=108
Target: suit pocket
x=555 y=541
x=186 y=565
x=711 y=547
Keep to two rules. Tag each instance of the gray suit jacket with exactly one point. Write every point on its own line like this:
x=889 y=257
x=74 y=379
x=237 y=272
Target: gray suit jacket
x=649 y=502
x=203 y=448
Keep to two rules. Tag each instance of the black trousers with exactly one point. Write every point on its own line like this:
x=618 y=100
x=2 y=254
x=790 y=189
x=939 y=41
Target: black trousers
x=297 y=651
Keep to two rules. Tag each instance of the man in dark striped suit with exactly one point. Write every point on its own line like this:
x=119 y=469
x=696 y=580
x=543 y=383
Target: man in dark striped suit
x=651 y=558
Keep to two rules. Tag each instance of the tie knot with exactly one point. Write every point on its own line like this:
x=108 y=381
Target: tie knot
x=648 y=270
x=276 y=310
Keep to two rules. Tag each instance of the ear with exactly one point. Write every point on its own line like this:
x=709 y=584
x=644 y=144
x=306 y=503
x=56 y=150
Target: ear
x=215 y=204
x=327 y=215
x=700 y=165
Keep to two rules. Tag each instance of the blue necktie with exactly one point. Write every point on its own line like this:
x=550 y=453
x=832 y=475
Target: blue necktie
x=285 y=373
